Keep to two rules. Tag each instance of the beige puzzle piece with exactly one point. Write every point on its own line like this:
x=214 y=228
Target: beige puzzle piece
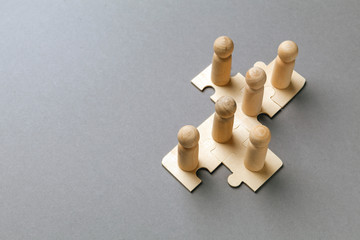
x=235 y=163
x=282 y=96
x=234 y=145
x=232 y=154
x=233 y=89
x=206 y=159
x=269 y=108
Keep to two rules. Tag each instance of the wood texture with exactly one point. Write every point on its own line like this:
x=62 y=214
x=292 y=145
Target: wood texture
x=284 y=64
x=221 y=63
x=254 y=91
x=257 y=148
x=223 y=122
x=207 y=160
x=188 y=148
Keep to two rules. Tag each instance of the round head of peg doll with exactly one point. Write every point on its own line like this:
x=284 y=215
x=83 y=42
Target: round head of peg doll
x=225 y=107
x=255 y=77
x=260 y=136
x=223 y=46
x=188 y=136
x=288 y=51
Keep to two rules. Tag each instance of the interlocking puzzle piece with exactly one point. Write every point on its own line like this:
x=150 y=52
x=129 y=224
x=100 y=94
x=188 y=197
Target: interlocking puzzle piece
x=206 y=159
x=234 y=145
x=232 y=154
x=235 y=163
x=282 y=96
x=232 y=89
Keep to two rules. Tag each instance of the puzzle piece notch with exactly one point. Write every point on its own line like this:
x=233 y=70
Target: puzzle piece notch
x=190 y=179
x=206 y=159
x=232 y=89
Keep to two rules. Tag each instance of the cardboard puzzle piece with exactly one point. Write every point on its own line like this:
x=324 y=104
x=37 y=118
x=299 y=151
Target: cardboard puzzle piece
x=282 y=97
x=234 y=145
x=232 y=154
x=233 y=89
x=235 y=163
x=206 y=160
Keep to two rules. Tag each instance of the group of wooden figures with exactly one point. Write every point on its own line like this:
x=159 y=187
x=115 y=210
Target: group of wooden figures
x=225 y=107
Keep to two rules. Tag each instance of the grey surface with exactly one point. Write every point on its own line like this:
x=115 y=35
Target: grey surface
x=93 y=93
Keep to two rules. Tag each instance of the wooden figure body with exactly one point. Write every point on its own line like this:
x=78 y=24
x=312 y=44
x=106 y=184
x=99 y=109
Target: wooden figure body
x=223 y=122
x=284 y=64
x=221 y=63
x=254 y=91
x=257 y=148
x=188 y=148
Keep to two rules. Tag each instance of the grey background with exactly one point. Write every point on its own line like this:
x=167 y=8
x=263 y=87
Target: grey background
x=93 y=93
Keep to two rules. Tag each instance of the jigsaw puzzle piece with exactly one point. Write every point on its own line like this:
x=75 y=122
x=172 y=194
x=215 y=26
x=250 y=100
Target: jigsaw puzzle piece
x=240 y=135
x=206 y=159
x=269 y=108
x=235 y=145
x=203 y=79
x=190 y=179
x=247 y=122
x=232 y=89
x=282 y=96
x=235 y=163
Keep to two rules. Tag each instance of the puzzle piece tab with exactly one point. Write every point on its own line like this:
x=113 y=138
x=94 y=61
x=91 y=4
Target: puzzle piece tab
x=206 y=159
x=235 y=163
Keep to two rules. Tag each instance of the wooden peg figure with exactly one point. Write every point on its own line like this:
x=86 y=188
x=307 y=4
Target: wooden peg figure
x=221 y=63
x=284 y=64
x=188 y=148
x=223 y=123
x=254 y=91
x=257 y=148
